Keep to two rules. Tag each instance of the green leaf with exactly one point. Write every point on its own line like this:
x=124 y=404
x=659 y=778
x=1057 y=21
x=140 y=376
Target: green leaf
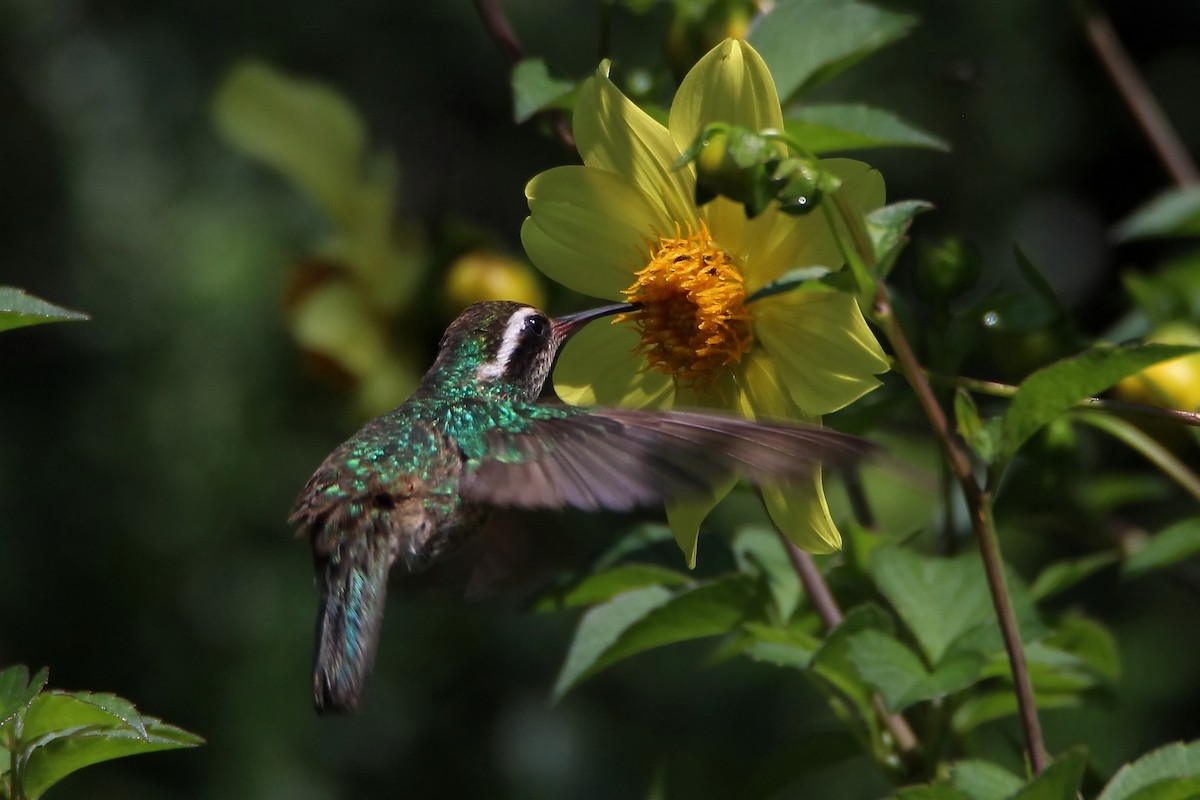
x=943 y=600
x=980 y=436
x=984 y=780
x=1170 y=789
x=1054 y=389
x=807 y=42
x=18 y=309
x=935 y=791
x=1176 y=212
x=987 y=706
x=304 y=129
x=1059 y=781
x=534 y=89
x=899 y=674
x=652 y=617
x=842 y=127
x=888 y=228
x=604 y=586
x=56 y=710
x=1034 y=277
x=760 y=553
x=791 y=646
x=1175 y=762
x=60 y=753
x=17 y=689
x=1171 y=545
x=1062 y=575
x=1090 y=642
x=835 y=672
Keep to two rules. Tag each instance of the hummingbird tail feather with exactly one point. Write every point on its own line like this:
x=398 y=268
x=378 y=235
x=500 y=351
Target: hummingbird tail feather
x=348 y=623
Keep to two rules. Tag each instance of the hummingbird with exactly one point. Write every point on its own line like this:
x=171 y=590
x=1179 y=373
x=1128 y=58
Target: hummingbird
x=413 y=485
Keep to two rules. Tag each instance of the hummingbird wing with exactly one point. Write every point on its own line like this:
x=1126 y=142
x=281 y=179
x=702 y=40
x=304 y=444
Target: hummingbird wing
x=619 y=459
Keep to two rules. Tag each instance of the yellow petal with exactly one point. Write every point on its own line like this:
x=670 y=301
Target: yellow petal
x=826 y=355
x=731 y=83
x=589 y=229
x=684 y=518
x=799 y=510
x=613 y=134
x=801 y=513
x=600 y=367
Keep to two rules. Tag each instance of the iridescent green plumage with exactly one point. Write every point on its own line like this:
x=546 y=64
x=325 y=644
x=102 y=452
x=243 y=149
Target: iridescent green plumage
x=414 y=484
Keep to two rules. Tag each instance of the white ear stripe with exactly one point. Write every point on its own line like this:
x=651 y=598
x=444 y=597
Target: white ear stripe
x=508 y=345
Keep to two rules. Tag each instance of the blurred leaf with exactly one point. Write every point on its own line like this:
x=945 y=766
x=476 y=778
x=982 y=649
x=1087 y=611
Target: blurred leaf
x=936 y=791
x=807 y=42
x=942 y=600
x=304 y=129
x=1171 y=545
x=534 y=89
x=1054 y=389
x=1176 y=762
x=841 y=127
x=984 y=780
x=1059 y=781
x=604 y=586
x=1062 y=575
x=835 y=671
x=899 y=674
x=888 y=228
x=759 y=552
x=1034 y=277
x=1176 y=212
x=980 y=437
x=17 y=689
x=652 y=617
x=997 y=704
x=789 y=646
x=18 y=309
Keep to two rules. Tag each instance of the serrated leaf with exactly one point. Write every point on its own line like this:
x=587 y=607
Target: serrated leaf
x=936 y=791
x=984 y=780
x=832 y=664
x=604 y=586
x=647 y=618
x=1175 y=212
x=19 y=309
x=1062 y=575
x=843 y=127
x=60 y=753
x=1054 y=389
x=900 y=676
x=1059 y=781
x=1174 y=762
x=534 y=89
x=58 y=710
x=1091 y=642
x=1171 y=545
x=17 y=690
x=807 y=42
x=943 y=600
x=1169 y=789
x=305 y=129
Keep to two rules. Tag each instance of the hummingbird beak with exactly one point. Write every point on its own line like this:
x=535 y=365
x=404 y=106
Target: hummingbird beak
x=565 y=326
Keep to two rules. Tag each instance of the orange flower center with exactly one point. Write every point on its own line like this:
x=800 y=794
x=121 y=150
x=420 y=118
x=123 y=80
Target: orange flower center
x=693 y=317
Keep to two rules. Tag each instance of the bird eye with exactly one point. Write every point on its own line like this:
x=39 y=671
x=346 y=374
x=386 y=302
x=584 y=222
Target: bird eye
x=536 y=325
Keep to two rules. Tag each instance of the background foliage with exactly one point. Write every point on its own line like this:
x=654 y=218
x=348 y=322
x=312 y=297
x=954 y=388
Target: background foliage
x=150 y=455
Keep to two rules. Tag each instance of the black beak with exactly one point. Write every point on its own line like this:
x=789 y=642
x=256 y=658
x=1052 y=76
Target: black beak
x=564 y=326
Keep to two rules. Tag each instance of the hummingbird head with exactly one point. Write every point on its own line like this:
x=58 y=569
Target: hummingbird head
x=505 y=349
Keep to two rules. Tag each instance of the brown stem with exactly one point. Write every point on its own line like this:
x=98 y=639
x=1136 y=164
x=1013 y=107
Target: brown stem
x=506 y=40
x=979 y=502
x=1137 y=95
x=831 y=615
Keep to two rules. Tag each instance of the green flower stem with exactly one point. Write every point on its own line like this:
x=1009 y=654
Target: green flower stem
x=979 y=501
x=1138 y=97
x=995 y=389
x=1154 y=452
x=831 y=615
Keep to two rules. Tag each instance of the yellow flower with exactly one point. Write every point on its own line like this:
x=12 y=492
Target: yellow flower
x=626 y=225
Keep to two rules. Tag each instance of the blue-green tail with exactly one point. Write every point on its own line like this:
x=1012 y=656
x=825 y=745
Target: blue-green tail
x=352 y=599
